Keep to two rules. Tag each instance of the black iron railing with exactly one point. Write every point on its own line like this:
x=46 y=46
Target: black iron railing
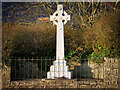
x=22 y=69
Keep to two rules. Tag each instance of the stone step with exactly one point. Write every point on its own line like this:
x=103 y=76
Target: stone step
x=53 y=75
x=56 y=68
x=59 y=62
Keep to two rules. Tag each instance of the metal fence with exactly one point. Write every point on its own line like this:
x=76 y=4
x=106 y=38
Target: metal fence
x=22 y=69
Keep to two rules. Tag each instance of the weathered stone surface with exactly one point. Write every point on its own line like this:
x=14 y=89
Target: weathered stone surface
x=115 y=66
x=110 y=76
x=6 y=77
x=56 y=84
x=93 y=83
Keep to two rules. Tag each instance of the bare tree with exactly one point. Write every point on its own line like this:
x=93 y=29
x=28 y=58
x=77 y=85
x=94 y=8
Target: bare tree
x=85 y=13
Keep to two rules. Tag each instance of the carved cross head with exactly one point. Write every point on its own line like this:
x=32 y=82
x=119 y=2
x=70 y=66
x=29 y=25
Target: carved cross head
x=59 y=16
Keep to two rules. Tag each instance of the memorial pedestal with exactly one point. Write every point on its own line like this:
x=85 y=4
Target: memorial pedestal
x=59 y=69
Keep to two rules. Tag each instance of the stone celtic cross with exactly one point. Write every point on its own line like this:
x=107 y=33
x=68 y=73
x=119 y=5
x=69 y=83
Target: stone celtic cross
x=59 y=69
x=60 y=18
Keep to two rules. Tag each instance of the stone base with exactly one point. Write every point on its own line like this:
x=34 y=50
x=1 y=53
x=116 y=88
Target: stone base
x=54 y=75
x=59 y=69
